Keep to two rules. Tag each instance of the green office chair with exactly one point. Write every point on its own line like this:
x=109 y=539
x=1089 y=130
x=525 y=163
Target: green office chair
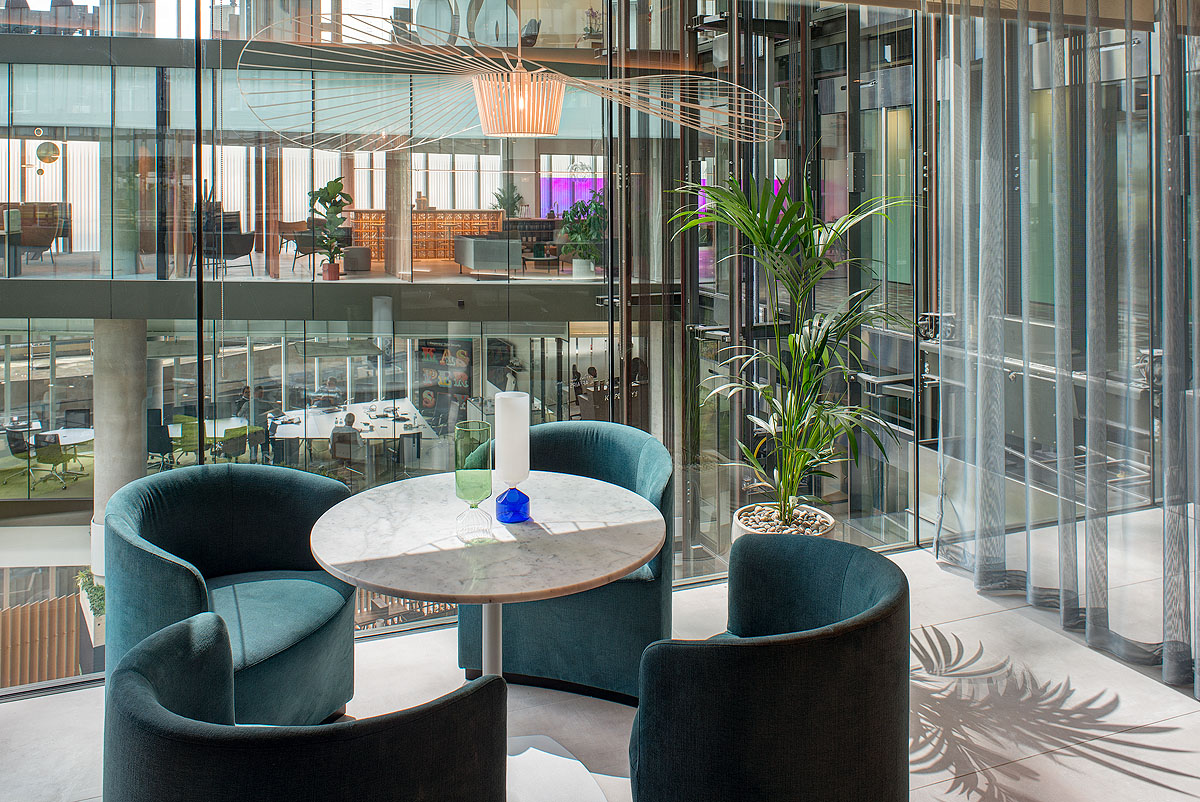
x=232 y=445
x=16 y=457
x=49 y=451
x=189 y=439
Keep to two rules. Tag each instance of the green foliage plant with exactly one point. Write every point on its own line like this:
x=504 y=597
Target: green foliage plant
x=801 y=378
x=508 y=200
x=585 y=224
x=327 y=204
x=94 y=592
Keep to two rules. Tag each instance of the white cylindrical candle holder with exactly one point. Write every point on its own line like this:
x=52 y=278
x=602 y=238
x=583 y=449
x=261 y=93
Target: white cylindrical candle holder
x=512 y=438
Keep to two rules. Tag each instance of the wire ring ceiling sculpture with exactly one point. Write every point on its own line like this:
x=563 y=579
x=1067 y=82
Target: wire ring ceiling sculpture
x=355 y=82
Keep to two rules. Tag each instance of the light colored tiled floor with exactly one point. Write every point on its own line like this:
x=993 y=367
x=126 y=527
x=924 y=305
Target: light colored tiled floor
x=1042 y=717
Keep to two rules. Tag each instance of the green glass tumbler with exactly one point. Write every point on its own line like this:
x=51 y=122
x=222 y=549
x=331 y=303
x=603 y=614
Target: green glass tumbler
x=473 y=479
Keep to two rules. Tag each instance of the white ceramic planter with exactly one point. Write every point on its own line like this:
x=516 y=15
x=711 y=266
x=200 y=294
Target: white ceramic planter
x=583 y=268
x=740 y=529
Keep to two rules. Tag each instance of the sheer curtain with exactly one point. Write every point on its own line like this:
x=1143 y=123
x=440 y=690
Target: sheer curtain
x=1064 y=357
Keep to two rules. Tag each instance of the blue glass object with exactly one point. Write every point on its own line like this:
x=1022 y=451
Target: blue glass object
x=512 y=507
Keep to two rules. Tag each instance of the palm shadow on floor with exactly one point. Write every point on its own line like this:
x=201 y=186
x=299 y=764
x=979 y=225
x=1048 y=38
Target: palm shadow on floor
x=972 y=718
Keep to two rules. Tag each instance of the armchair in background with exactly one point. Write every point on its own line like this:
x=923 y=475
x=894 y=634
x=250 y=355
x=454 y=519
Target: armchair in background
x=592 y=640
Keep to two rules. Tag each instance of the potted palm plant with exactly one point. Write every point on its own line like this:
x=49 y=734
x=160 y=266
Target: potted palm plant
x=508 y=200
x=327 y=204
x=583 y=225
x=802 y=420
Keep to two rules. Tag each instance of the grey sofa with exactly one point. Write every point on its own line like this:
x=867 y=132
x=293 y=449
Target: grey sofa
x=487 y=254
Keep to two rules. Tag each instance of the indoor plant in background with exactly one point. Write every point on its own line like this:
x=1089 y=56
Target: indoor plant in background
x=508 y=200
x=593 y=26
x=92 y=605
x=796 y=387
x=584 y=225
x=327 y=205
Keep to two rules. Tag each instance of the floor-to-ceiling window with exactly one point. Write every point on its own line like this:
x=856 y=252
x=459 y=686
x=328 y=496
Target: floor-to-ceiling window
x=460 y=286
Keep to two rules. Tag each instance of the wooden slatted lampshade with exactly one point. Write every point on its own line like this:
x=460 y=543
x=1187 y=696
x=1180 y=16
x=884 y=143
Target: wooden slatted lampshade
x=519 y=103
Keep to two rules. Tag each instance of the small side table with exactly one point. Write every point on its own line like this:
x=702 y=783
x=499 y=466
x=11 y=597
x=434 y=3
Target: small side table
x=356 y=259
x=546 y=262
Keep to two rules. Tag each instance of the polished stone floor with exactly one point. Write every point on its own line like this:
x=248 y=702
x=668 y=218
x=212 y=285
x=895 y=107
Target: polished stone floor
x=1006 y=708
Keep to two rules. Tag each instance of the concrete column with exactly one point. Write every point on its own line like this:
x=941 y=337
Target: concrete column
x=118 y=236
x=382 y=330
x=397 y=225
x=154 y=384
x=7 y=376
x=51 y=388
x=283 y=372
x=119 y=413
x=251 y=410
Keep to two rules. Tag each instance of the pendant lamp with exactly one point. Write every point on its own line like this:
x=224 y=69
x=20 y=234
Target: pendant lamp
x=519 y=103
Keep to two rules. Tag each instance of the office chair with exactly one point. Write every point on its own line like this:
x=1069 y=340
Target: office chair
x=346 y=448
x=49 y=451
x=77 y=419
x=158 y=440
x=16 y=457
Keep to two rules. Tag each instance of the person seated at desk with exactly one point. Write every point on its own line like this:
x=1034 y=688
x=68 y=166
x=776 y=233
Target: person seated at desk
x=264 y=411
x=330 y=395
x=345 y=432
x=242 y=405
x=346 y=445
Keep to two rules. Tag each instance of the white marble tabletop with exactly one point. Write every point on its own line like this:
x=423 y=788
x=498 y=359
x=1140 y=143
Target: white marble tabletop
x=73 y=437
x=400 y=539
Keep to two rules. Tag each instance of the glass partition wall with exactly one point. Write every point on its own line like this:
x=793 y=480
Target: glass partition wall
x=149 y=207
x=1037 y=379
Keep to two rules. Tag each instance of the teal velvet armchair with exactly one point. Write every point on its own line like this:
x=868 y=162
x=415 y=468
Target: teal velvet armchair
x=168 y=735
x=234 y=539
x=804 y=699
x=590 y=641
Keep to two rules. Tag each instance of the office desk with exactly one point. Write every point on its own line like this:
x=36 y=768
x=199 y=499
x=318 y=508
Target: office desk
x=311 y=424
x=315 y=423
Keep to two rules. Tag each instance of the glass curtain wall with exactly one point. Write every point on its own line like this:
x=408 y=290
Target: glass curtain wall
x=134 y=216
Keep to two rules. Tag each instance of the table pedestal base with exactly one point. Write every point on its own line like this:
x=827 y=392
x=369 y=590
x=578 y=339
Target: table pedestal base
x=493 y=640
x=540 y=769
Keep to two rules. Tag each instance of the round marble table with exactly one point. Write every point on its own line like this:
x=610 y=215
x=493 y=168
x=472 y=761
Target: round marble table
x=400 y=539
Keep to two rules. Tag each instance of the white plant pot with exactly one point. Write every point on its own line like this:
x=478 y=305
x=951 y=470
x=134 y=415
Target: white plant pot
x=739 y=529
x=583 y=268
